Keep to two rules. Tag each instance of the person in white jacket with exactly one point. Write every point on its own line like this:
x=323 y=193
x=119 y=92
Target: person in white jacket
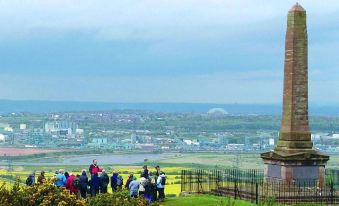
x=161 y=181
x=143 y=182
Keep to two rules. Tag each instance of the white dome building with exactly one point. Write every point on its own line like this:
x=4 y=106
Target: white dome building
x=217 y=112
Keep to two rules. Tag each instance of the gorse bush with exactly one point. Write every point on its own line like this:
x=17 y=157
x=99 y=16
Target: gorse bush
x=49 y=195
x=119 y=198
x=37 y=195
x=44 y=195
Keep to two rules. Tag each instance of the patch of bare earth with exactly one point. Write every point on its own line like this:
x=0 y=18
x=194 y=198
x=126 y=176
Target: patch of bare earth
x=24 y=151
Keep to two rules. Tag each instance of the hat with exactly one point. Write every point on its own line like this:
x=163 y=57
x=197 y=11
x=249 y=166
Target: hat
x=134 y=178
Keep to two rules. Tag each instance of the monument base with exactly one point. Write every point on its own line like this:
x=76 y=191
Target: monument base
x=295 y=167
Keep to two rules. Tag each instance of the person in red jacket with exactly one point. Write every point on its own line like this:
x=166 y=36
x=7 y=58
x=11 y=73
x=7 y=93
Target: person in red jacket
x=70 y=185
x=94 y=168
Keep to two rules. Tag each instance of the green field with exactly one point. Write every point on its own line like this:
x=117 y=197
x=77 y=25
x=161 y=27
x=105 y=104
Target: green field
x=226 y=160
x=204 y=200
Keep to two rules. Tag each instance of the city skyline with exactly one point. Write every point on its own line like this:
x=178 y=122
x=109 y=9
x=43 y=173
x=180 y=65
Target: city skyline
x=151 y=51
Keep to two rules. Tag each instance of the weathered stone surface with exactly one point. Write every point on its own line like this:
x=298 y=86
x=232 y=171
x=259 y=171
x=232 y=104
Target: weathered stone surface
x=294 y=153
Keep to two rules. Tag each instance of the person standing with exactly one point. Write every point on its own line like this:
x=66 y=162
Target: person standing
x=30 y=179
x=60 y=179
x=94 y=168
x=95 y=184
x=114 y=181
x=158 y=171
x=70 y=184
x=83 y=184
x=134 y=187
x=145 y=173
x=161 y=181
x=41 y=178
x=104 y=181
x=142 y=186
x=148 y=188
x=66 y=175
x=120 y=181
x=153 y=187
x=129 y=180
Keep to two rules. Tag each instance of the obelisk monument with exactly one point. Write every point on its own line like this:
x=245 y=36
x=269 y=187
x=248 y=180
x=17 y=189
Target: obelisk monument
x=294 y=158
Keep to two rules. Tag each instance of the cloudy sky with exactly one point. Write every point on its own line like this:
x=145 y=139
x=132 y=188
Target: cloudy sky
x=216 y=51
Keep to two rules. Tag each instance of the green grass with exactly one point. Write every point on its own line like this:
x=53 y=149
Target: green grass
x=203 y=200
x=210 y=200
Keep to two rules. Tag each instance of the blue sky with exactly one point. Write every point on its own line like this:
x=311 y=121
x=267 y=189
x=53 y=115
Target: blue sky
x=216 y=51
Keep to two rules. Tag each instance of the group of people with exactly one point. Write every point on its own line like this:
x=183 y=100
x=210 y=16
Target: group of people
x=150 y=185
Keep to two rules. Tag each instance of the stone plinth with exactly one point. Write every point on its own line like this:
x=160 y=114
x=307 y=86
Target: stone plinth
x=298 y=167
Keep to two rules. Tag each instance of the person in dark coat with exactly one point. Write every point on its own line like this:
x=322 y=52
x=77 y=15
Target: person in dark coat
x=84 y=184
x=129 y=180
x=145 y=173
x=151 y=193
x=114 y=181
x=66 y=175
x=104 y=181
x=95 y=184
x=41 y=178
x=158 y=171
x=30 y=179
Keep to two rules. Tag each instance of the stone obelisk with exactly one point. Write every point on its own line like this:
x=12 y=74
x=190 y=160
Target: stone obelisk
x=294 y=158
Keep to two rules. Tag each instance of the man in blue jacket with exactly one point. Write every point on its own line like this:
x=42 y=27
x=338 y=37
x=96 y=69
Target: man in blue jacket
x=60 y=179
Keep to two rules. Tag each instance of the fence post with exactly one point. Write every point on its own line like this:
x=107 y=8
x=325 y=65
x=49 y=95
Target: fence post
x=235 y=188
x=181 y=181
x=256 y=193
x=332 y=192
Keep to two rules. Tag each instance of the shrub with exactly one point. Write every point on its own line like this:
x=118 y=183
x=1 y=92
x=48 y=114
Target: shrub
x=49 y=195
x=117 y=199
x=42 y=195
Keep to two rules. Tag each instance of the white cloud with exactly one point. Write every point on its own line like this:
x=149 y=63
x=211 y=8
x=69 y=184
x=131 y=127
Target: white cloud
x=172 y=25
x=144 y=19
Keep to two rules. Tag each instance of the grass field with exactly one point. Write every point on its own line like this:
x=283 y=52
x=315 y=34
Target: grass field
x=226 y=160
x=210 y=200
x=204 y=200
x=213 y=160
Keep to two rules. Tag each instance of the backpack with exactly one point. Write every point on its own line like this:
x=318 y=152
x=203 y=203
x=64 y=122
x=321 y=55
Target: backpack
x=163 y=180
x=119 y=180
x=76 y=182
x=29 y=181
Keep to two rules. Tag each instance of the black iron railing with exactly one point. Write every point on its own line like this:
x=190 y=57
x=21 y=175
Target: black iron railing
x=250 y=185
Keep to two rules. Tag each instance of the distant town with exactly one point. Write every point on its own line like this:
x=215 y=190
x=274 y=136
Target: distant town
x=147 y=131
